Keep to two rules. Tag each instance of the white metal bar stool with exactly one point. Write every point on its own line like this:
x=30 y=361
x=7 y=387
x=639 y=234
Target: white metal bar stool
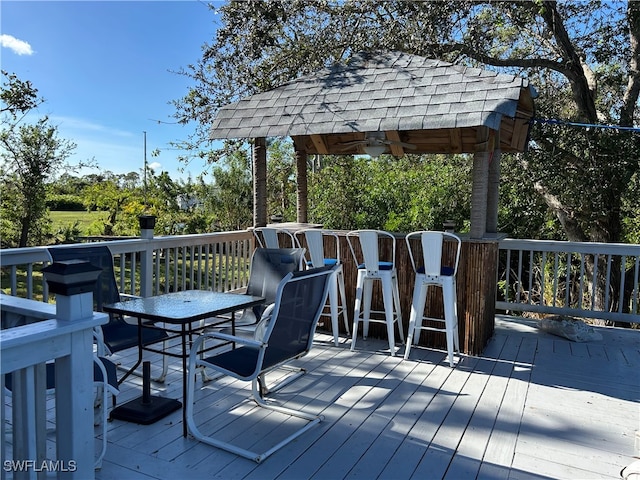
x=371 y=268
x=315 y=238
x=268 y=237
x=434 y=273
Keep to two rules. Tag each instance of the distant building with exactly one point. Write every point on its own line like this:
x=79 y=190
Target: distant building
x=188 y=202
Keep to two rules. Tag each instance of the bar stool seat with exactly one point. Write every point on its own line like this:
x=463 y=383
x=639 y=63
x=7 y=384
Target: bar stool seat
x=434 y=273
x=314 y=238
x=370 y=269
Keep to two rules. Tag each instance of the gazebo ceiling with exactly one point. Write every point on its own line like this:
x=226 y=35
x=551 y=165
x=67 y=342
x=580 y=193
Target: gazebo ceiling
x=430 y=104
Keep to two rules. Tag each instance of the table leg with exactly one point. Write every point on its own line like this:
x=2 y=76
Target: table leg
x=147 y=408
x=139 y=361
x=184 y=375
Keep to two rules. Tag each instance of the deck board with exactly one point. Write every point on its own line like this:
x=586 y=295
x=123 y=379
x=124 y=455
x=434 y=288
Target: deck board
x=532 y=406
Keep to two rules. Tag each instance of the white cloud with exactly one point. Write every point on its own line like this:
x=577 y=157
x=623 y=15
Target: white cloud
x=80 y=124
x=19 y=47
x=155 y=166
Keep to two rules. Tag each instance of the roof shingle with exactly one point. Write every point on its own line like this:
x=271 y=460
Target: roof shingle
x=361 y=96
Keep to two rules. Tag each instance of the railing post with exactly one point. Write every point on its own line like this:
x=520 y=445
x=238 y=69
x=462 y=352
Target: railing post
x=73 y=284
x=147 y=224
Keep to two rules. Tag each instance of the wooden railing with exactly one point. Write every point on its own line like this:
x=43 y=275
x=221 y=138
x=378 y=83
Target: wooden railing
x=43 y=335
x=590 y=280
x=215 y=261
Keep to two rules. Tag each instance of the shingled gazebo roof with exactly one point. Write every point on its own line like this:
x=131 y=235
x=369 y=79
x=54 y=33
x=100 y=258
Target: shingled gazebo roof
x=434 y=105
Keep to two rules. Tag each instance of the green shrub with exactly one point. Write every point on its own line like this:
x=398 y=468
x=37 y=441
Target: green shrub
x=65 y=202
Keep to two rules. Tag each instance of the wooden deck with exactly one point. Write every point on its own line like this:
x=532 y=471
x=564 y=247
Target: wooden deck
x=533 y=406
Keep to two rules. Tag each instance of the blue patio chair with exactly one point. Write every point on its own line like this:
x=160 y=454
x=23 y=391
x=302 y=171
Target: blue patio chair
x=117 y=334
x=284 y=333
x=268 y=267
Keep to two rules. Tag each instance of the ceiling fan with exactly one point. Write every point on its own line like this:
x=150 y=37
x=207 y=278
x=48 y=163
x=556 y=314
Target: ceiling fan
x=375 y=143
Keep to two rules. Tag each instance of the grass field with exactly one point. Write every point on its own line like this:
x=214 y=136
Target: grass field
x=84 y=219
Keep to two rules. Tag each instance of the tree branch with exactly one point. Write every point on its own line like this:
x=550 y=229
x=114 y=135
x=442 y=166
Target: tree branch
x=510 y=62
x=564 y=215
x=575 y=73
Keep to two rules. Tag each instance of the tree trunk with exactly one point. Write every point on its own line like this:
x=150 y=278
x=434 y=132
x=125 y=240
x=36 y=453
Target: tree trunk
x=301 y=189
x=24 y=232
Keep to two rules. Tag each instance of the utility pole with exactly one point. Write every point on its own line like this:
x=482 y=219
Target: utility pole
x=144 y=185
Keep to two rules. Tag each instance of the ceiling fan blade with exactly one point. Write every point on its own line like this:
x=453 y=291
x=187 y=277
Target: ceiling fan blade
x=345 y=148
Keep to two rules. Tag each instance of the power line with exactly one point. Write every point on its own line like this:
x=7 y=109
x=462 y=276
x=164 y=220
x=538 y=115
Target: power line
x=553 y=121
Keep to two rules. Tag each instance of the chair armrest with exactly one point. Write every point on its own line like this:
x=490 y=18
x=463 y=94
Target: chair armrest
x=127 y=296
x=233 y=338
x=249 y=342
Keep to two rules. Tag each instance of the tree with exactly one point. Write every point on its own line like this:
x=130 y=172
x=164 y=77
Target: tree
x=108 y=196
x=31 y=154
x=18 y=97
x=229 y=198
x=281 y=174
x=583 y=57
x=390 y=194
x=334 y=193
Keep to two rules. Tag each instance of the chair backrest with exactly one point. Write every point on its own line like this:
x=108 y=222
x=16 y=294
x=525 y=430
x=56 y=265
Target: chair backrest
x=106 y=288
x=314 y=238
x=117 y=334
x=300 y=299
x=268 y=237
x=268 y=267
x=432 y=244
x=369 y=241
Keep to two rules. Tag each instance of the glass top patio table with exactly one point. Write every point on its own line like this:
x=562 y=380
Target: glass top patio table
x=184 y=307
x=180 y=308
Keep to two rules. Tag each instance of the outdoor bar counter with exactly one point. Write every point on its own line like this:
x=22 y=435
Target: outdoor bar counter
x=476 y=290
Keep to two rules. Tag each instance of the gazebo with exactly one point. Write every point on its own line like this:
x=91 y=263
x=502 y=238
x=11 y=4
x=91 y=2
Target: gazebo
x=397 y=103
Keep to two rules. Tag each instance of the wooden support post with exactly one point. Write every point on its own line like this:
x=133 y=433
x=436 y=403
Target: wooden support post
x=301 y=187
x=259 y=182
x=480 y=184
x=74 y=404
x=494 y=186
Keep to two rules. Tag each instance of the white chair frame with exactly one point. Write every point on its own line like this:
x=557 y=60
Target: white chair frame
x=370 y=270
x=314 y=238
x=103 y=389
x=267 y=237
x=432 y=243
x=260 y=346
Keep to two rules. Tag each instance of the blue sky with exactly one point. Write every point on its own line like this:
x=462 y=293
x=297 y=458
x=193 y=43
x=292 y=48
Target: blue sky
x=105 y=71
